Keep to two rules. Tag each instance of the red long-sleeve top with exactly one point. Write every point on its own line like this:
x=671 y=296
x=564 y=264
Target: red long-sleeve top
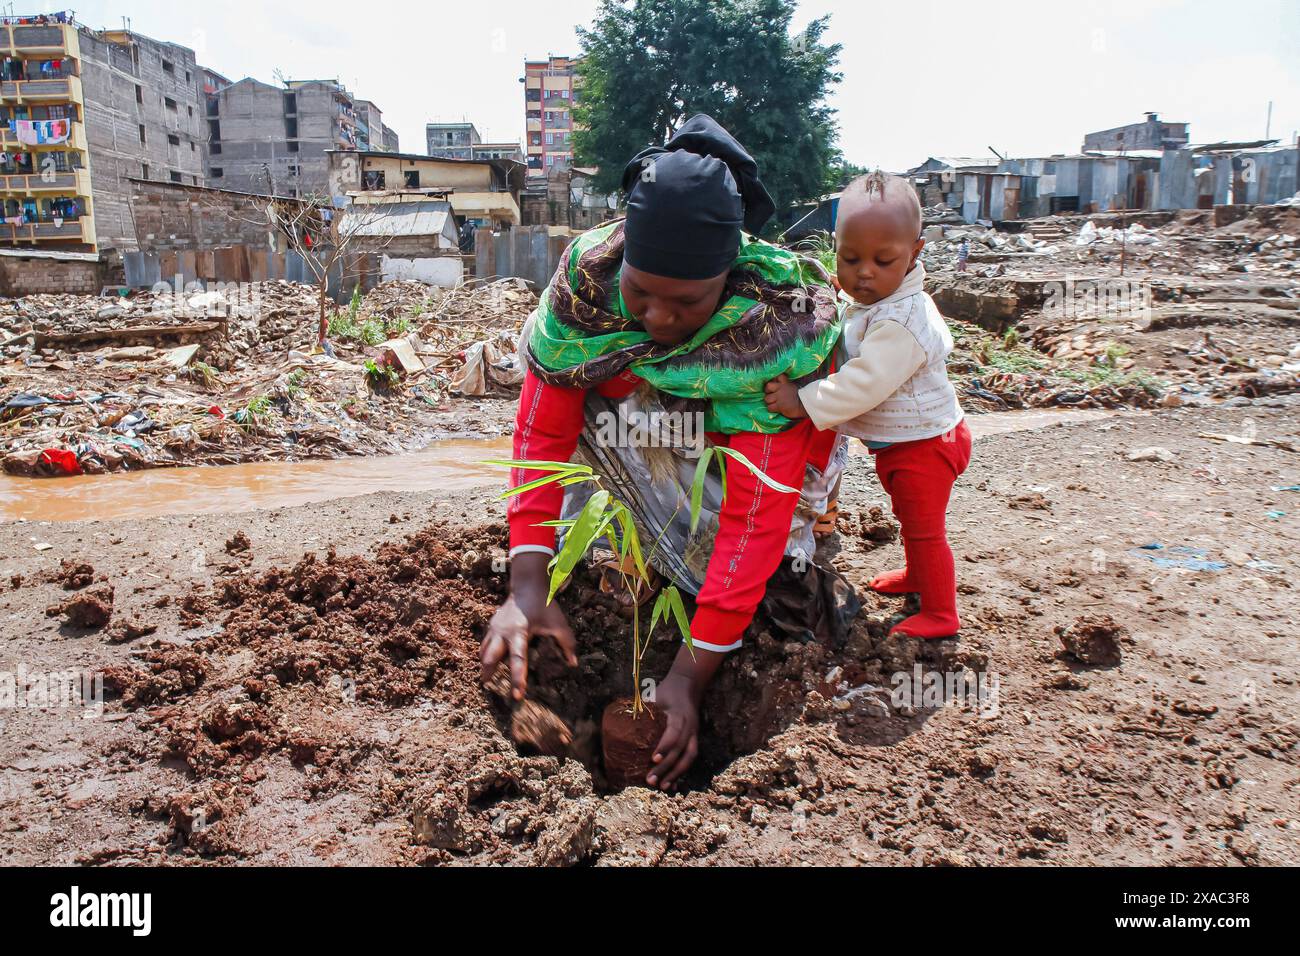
x=752 y=528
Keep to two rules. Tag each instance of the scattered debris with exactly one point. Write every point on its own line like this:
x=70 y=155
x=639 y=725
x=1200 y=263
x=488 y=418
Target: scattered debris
x=1179 y=556
x=1153 y=453
x=88 y=389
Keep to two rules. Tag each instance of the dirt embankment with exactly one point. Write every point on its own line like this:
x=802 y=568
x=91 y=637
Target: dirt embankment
x=300 y=686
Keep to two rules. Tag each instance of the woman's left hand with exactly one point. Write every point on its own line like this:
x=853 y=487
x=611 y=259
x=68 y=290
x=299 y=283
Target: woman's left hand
x=679 y=746
x=678 y=696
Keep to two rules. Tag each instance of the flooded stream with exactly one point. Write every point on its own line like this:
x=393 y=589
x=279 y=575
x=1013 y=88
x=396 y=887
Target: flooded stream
x=446 y=466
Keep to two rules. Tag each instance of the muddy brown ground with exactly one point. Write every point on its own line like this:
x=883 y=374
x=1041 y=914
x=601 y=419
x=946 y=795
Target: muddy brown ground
x=325 y=709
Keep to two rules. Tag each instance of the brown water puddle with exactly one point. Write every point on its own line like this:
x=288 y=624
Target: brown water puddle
x=446 y=466
x=209 y=489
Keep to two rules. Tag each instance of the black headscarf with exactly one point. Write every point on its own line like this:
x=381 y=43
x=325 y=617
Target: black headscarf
x=688 y=200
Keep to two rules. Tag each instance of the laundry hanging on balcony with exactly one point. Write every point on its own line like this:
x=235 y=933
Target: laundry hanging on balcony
x=40 y=132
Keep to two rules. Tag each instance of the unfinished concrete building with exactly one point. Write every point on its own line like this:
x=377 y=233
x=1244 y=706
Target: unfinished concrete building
x=81 y=113
x=272 y=139
x=370 y=125
x=451 y=140
x=1151 y=133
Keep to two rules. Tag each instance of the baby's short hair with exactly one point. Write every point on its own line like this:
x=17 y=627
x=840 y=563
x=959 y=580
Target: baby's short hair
x=883 y=187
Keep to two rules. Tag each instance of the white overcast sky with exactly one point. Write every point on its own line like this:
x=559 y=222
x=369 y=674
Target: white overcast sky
x=921 y=78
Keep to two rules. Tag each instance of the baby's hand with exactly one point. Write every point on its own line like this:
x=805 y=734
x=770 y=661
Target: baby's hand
x=782 y=397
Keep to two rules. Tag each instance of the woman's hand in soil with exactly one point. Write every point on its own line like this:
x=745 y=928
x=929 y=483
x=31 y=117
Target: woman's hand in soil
x=524 y=615
x=678 y=697
x=782 y=397
x=679 y=746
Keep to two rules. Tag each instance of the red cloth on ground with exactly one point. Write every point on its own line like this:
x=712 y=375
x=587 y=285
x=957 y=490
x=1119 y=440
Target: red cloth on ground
x=62 y=459
x=918 y=477
x=753 y=525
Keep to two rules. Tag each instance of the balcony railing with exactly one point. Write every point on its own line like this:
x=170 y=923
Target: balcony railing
x=32 y=70
x=44 y=229
x=61 y=89
x=76 y=138
x=41 y=37
x=40 y=182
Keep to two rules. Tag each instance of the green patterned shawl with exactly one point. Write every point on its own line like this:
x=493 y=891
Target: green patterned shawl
x=778 y=316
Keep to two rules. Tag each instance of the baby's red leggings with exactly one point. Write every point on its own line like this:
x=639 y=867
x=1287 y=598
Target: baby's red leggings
x=918 y=477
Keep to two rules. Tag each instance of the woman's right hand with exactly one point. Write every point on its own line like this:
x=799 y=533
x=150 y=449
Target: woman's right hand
x=524 y=615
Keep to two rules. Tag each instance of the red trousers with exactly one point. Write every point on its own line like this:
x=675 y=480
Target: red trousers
x=918 y=477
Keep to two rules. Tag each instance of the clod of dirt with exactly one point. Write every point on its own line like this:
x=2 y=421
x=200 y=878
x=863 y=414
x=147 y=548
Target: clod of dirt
x=194 y=610
x=443 y=819
x=90 y=609
x=1065 y=680
x=982 y=763
x=1189 y=708
x=1093 y=640
x=201 y=820
x=759 y=774
x=534 y=727
x=238 y=543
x=74 y=575
x=120 y=632
x=227 y=730
x=503 y=800
x=15 y=581
x=538 y=727
x=1030 y=501
x=569 y=834
x=170 y=671
x=633 y=828
x=873 y=525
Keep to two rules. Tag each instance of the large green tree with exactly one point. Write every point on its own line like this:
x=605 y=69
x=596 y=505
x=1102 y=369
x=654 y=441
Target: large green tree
x=648 y=65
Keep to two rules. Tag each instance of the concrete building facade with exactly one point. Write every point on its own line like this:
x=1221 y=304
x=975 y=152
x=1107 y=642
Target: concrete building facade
x=81 y=113
x=551 y=90
x=1151 y=133
x=482 y=192
x=511 y=151
x=391 y=142
x=272 y=139
x=370 y=126
x=451 y=140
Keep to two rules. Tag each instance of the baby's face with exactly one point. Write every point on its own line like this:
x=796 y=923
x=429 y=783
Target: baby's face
x=875 y=248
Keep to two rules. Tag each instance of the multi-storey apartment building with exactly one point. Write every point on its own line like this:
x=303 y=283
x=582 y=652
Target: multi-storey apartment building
x=391 y=142
x=498 y=151
x=462 y=141
x=265 y=138
x=370 y=126
x=451 y=140
x=81 y=113
x=551 y=89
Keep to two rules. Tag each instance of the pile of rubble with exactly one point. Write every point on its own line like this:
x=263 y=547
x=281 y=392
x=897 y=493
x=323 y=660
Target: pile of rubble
x=1123 y=308
x=997 y=373
x=1186 y=242
x=90 y=384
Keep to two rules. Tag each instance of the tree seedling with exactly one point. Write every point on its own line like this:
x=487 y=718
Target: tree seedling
x=605 y=516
